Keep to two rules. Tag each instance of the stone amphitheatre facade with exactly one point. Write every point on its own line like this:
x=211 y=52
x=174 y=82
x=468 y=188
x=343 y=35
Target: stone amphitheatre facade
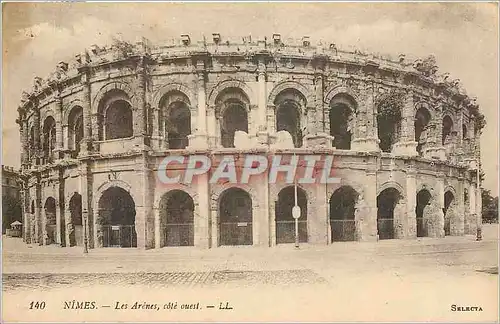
x=404 y=138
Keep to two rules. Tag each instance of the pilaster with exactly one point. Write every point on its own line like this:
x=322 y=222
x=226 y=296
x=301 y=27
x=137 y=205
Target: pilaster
x=202 y=219
x=369 y=224
x=407 y=146
x=58 y=151
x=199 y=140
x=86 y=143
x=411 y=203
x=367 y=140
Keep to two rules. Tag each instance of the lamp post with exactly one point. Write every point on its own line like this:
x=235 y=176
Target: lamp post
x=85 y=238
x=479 y=235
x=296 y=214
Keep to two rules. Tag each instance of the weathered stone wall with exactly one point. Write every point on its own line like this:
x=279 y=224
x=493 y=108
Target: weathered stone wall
x=207 y=76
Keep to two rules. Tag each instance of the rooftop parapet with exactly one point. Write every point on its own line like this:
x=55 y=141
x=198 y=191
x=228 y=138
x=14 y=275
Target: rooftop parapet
x=275 y=45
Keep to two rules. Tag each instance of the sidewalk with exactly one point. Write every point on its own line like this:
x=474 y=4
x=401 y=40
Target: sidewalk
x=21 y=258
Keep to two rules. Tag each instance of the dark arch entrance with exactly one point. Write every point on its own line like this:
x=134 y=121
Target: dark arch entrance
x=235 y=118
x=447 y=129
x=448 y=212
x=342 y=207
x=50 y=220
x=342 y=107
x=285 y=223
x=422 y=119
x=178 y=125
x=116 y=220
x=386 y=203
x=423 y=200
x=289 y=106
x=177 y=218
x=76 y=224
x=118 y=120
x=389 y=121
x=235 y=217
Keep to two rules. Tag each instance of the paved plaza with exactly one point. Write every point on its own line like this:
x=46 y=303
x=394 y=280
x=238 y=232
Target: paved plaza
x=388 y=280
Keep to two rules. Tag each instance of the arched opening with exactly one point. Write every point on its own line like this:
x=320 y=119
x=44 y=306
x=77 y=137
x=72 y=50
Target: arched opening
x=235 y=217
x=177 y=218
x=341 y=119
x=231 y=110
x=389 y=121
x=423 y=201
x=386 y=204
x=447 y=129
x=422 y=119
x=175 y=119
x=285 y=223
x=49 y=139
x=289 y=105
x=464 y=132
x=342 y=218
x=50 y=220
x=76 y=226
x=178 y=126
x=116 y=219
x=118 y=120
x=32 y=207
x=234 y=119
x=448 y=212
x=75 y=130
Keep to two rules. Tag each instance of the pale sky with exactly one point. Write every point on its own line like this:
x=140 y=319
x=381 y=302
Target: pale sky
x=462 y=36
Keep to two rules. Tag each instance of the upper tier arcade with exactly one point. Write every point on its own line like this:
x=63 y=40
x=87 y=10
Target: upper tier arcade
x=278 y=93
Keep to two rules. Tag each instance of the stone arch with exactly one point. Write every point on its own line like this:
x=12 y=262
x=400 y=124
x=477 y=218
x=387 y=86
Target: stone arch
x=392 y=184
x=336 y=90
x=176 y=216
x=220 y=188
x=46 y=114
x=423 y=209
x=235 y=217
x=175 y=118
x=115 y=219
x=75 y=132
x=451 y=189
x=75 y=220
x=113 y=183
x=448 y=127
x=49 y=140
x=104 y=90
x=284 y=222
x=115 y=113
x=358 y=187
x=178 y=186
x=389 y=113
x=173 y=87
x=220 y=87
x=342 y=111
x=77 y=102
x=289 y=84
x=425 y=105
x=423 y=116
x=450 y=201
x=50 y=206
x=342 y=213
x=290 y=113
x=389 y=213
x=280 y=186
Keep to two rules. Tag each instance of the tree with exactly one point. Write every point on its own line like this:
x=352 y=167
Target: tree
x=490 y=207
x=11 y=211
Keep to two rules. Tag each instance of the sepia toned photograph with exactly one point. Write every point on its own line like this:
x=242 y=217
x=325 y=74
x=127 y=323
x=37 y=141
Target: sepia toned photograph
x=250 y=162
